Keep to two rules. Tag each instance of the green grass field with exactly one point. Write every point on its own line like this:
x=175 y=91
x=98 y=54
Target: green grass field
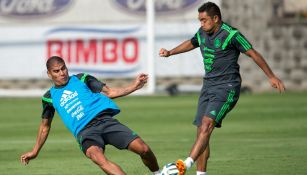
x=265 y=134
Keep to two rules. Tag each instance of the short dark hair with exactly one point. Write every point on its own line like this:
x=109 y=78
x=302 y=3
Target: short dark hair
x=211 y=8
x=53 y=59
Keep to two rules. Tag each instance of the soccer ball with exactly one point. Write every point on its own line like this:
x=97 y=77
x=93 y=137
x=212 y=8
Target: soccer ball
x=170 y=169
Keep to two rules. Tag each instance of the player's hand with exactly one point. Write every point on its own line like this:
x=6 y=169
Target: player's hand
x=278 y=84
x=140 y=80
x=164 y=53
x=25 y=158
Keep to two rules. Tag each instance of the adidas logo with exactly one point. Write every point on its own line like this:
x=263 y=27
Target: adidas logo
x=213 y=113
x=66 y=96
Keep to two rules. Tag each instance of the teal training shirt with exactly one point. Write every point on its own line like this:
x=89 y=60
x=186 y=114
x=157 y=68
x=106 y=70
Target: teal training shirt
x=220 y=53
x=77 y=105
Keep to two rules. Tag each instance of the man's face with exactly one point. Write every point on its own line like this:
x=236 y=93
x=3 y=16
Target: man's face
x=58 y=73
x=208 y=24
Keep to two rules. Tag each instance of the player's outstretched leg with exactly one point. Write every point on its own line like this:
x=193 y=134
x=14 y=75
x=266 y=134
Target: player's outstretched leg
x=203 y=135
x=96 y=155
x=139 y=147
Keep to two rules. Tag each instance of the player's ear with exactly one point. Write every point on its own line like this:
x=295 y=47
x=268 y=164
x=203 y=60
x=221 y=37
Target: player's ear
x=49 y=75
x=215 y=18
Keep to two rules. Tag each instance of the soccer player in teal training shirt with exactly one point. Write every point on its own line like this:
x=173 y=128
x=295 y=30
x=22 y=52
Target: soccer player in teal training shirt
x=85 y=107
x=220 y=45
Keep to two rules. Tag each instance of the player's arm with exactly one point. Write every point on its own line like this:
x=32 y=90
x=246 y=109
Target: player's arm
x=259 y=60
x=138 y=83
x=97 y=86
x=181 y=48
x=42 y=135
x=44 y=128
x=243 y=45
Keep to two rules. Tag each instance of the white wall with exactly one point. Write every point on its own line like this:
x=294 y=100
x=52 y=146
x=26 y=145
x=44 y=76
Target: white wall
x=104 y=38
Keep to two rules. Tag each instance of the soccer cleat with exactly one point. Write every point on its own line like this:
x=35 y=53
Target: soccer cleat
x=181 y=167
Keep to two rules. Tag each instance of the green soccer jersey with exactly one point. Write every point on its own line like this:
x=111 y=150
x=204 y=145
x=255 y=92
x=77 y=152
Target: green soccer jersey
x=220 y=53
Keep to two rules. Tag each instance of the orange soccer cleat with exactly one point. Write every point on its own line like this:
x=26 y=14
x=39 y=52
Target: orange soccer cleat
x=181 y=167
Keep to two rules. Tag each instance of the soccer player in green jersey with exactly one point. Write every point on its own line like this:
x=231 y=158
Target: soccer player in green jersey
x=220 y=45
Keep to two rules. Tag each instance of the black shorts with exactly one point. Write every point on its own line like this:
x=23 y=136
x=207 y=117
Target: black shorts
x=104 y=131
x=216 y=101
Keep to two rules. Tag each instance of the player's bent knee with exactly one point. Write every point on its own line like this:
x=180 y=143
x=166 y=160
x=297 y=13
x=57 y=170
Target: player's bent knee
x=204 y=130
x=207 y=120
x=207 y=124
x=139 y=147
x=93 y=151
x=144 y=150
